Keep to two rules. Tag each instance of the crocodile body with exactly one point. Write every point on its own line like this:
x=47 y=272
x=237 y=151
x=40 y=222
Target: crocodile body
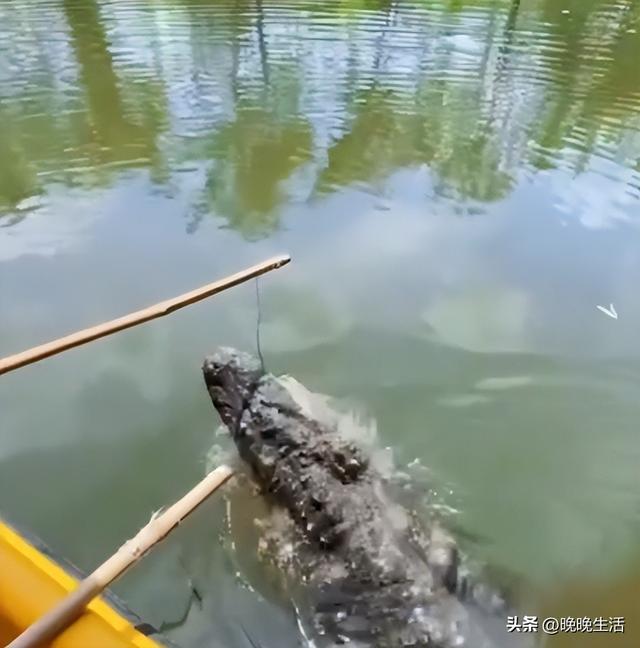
x=374 y=576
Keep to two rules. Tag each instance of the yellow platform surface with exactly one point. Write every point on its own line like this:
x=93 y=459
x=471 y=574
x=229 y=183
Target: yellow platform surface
x=31 y=583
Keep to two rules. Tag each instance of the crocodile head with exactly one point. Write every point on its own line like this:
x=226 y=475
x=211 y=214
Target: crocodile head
x=231 y=377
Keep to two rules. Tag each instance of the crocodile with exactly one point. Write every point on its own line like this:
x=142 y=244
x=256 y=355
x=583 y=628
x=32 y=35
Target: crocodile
x=373 y=575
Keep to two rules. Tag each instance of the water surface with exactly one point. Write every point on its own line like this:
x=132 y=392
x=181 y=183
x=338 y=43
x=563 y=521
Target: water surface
x=458 y=183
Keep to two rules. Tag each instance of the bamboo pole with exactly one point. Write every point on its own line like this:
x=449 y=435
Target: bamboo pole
x=70 y=608
x=132 y=319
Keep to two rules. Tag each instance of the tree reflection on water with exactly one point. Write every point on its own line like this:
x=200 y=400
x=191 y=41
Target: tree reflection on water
x=345 y=94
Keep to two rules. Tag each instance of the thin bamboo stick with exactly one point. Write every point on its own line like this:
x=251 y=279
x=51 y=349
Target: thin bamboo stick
x=132 y=319
x=70 y=608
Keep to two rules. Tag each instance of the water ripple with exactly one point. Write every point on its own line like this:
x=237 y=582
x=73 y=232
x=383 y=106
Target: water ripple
x=129 y=82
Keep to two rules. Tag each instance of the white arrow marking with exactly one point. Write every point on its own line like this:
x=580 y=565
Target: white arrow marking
x=611 y=311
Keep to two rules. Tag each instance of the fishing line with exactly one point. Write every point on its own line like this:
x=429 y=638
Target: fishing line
x=258 y=321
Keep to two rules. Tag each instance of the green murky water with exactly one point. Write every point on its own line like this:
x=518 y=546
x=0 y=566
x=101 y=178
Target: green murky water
x=459 y=186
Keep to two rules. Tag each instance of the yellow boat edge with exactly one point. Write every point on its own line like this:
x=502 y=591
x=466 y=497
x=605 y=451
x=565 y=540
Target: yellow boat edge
x=31 y=583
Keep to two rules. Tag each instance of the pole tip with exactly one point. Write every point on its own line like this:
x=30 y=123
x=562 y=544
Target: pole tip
x=282 y=260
